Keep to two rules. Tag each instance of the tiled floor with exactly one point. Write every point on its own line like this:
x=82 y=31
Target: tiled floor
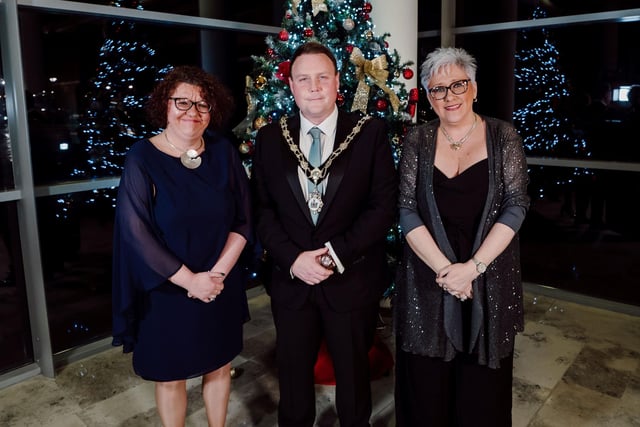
x=575 y=366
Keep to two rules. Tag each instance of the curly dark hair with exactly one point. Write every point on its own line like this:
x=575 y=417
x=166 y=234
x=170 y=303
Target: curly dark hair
x=212 y=91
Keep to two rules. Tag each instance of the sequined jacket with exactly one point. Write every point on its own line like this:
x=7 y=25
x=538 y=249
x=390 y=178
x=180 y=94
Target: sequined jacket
x=428 y=321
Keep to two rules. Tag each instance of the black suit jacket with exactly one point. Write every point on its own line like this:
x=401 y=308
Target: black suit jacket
x=359 y=209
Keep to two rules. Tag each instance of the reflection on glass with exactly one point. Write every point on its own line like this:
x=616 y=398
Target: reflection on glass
x=15 y=333
x=84 y=115
x=580 y=234
x=6 y=158
x=75 y=243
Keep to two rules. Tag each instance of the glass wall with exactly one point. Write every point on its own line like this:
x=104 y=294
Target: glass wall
x=15 y=332
x=84 y=69
x=84 y=108
x=566 y=88
x=83 y=116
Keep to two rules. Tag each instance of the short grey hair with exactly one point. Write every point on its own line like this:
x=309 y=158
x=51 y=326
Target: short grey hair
x=445 y=57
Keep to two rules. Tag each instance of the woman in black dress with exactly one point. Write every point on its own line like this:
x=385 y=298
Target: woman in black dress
x=458 y=302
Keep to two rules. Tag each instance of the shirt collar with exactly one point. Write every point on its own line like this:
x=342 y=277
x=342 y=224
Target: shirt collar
x=328 y=126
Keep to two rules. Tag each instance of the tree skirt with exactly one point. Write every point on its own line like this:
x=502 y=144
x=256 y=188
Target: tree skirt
x=380 y=363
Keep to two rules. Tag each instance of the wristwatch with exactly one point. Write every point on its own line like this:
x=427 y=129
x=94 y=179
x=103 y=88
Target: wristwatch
x=481 y=267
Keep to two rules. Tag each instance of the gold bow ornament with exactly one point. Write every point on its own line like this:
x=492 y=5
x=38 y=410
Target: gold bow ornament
x=376 y=69
x=318 y=6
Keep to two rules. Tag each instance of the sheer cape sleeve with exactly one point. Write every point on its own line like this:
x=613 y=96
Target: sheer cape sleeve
x=141 y=260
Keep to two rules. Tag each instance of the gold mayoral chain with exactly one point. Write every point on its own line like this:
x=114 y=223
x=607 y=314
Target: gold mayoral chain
x=190 y=158
x=317 y=174
x=455 y=145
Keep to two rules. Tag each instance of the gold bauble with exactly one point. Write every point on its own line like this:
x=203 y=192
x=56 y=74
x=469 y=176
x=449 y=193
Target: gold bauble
x=244 y=148
x=259 y=122
x=260 y=82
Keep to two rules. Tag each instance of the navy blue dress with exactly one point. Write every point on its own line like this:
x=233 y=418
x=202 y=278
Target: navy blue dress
x=166 y=216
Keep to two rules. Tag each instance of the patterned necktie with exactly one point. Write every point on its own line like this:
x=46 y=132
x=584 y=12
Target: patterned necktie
x=315 y=158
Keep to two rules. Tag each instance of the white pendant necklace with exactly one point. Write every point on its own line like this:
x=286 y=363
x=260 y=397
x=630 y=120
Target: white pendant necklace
x=455 y=145
x=190 y=158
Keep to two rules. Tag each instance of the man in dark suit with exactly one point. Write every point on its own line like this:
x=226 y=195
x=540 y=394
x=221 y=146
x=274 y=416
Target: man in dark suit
x=324 y=227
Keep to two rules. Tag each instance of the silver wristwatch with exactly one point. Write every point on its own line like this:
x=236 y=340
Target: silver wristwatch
x=481 y=267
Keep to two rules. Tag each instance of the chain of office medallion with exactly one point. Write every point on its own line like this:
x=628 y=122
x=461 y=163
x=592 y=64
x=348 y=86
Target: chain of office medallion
x=319 y=173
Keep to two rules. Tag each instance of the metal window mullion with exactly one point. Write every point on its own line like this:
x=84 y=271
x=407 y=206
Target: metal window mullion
x=26 y=204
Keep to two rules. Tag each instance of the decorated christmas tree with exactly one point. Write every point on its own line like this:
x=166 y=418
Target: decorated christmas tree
x=539 y=116
x=371 y=76
x=114 y=115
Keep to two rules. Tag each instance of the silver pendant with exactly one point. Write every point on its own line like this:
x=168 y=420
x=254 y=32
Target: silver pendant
x=316 y=174
x=315 y=201
x=190 y=159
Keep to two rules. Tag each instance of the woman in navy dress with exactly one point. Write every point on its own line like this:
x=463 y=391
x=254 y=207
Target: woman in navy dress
x=182 y=222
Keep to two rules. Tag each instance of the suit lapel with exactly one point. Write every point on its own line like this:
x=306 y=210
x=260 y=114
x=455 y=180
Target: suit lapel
x=336 y=173
x=291 y=165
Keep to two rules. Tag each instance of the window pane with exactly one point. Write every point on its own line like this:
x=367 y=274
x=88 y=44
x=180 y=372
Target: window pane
x=83 y=115
x=75 y=243
x=429 y=15
x=15 y=333
x=97 y=106
x=593 y=251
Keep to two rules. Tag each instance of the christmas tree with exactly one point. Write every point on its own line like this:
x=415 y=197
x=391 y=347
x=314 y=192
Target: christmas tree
x=542 y=91
x=370 y=74
x=114 y=115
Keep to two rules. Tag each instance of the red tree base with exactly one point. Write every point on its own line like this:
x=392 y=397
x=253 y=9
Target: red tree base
x=380 y=363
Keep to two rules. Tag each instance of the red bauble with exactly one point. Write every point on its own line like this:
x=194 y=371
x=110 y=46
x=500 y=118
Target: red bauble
x=407 y=73
x=340 y=100
x=270 y=51
x=365 y=16
x=382 y=104
x=308 y=32
x=413 y=95
x=367 y=7
x=246 y=147
x=283 y=35
x=284 y=71
x=349 y=48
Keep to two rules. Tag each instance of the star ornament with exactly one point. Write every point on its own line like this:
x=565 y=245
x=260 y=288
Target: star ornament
x=318 y=6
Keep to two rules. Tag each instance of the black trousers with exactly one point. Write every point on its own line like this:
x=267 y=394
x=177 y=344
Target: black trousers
x=460 y=393
x=348 y=336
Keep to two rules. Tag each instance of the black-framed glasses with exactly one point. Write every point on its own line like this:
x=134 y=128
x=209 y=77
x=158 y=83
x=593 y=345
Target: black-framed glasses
x=457 y=88
x=185 y=104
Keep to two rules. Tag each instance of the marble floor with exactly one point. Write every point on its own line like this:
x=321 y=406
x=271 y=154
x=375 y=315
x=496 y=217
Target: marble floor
x=575 y=365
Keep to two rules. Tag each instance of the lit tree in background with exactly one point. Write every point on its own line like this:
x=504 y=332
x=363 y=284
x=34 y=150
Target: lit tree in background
x=370 y=75
x=543 y=89
x=114 y=116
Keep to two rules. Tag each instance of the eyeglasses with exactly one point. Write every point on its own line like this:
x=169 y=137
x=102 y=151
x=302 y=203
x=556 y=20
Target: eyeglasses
x=456 y=88
x=185 y=104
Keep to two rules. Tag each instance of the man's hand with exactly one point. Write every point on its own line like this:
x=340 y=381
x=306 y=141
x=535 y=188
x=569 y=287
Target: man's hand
x=307 y=268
